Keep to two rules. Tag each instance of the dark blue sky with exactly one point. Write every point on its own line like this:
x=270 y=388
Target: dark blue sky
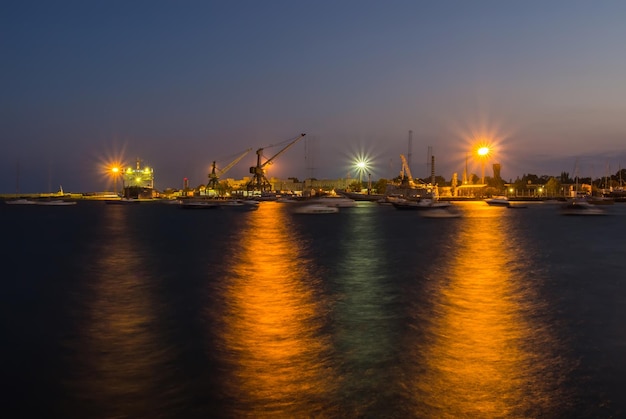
x=179 y=84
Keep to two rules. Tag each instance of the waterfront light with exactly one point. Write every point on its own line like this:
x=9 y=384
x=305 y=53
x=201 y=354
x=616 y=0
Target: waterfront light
x=110 y=166
x=116 y=172
x=362 y=166
x=483 y=152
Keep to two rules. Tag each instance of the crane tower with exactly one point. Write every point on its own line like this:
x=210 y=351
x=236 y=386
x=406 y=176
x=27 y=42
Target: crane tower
x=215 y=174
x=259 y=182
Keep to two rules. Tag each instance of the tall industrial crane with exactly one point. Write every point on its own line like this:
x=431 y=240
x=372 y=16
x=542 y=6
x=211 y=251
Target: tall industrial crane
x=405 y=172
x=259 y=182
x=215 y=174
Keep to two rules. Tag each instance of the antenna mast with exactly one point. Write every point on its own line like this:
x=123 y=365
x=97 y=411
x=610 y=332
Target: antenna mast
x=428 y=159
x=410 y=153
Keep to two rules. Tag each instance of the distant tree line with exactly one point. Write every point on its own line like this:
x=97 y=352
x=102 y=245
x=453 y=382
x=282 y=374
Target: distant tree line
x=613 y=180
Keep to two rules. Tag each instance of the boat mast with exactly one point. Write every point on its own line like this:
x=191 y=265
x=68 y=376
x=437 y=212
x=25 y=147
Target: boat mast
x=17 y=178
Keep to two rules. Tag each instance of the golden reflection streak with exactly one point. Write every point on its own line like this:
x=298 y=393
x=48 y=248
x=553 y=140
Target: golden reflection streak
x=271 y=337
x=122 y=353
x=486 y=356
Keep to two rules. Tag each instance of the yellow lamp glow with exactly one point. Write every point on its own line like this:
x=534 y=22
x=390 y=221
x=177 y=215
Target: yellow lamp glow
x=115 y=170
x=483 y=153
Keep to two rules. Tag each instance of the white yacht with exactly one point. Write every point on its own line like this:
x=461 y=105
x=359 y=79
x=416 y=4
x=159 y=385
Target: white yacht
x=501 y=201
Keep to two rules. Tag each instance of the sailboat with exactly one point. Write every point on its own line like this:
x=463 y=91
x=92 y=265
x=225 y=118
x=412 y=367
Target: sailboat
x=18 y=200
x=617 y=194
x=580 y=203
x=53 y=199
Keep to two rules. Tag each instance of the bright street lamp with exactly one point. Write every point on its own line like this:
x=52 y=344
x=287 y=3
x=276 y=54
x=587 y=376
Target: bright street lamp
x=361 y=167
x=115 y=170
x=483 y=153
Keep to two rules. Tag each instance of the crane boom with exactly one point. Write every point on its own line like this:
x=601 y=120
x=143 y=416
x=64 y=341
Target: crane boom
x=215 y=174
x=406 y=170
x=282 y=150
x=259 y=181
x=234 y=162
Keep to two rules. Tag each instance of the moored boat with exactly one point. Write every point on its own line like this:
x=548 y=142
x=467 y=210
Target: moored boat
x=581 y=207
x=339 y=202
x=600 y=200
x=239 y=204
x=122 y=201
x=20 y=201
x=357 y=196
x=499 y=201
x=449 y=211
x=55 y=202
x=316 y=209
x=189 y=204
x=421 y=204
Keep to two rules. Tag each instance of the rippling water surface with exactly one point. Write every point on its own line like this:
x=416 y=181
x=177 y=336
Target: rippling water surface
x=153 y=311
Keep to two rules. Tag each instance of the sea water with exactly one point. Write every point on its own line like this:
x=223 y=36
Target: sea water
x=151 y=311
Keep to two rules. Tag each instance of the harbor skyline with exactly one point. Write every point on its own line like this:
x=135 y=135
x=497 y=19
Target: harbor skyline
x=182 y=85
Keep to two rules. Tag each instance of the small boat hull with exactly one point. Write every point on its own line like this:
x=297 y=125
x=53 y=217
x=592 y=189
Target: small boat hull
x=57 y=203
x=421 y=205
x=122 y=201
x=316 y=209
x=581 y=208
x=498 y=201
x=199 y=205
x=20 y=202
x=239 y=205
x=442 y=212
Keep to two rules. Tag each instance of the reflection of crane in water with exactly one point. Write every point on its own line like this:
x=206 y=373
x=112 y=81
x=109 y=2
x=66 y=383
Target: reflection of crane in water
x=214 y=176
x=259 y=182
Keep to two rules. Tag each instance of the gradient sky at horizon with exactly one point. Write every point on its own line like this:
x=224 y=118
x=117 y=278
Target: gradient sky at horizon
x=180 y=84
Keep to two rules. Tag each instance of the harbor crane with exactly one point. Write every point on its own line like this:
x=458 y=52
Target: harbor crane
x=405 y=172
x=259 y=182
x=215 y=174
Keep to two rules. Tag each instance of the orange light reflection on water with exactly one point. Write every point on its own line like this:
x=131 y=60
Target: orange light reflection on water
x=271 y=339
x=122 y=354
x=486 y=355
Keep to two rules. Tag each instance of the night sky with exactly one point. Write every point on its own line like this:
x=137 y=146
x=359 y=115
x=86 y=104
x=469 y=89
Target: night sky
x=179 y=84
